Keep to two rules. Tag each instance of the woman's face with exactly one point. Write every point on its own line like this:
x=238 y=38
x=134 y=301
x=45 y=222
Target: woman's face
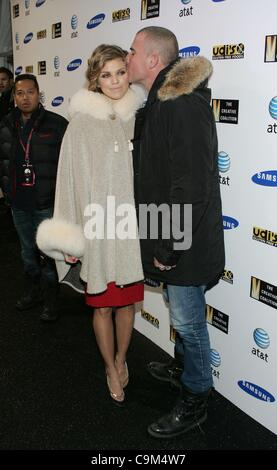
x=113 y=79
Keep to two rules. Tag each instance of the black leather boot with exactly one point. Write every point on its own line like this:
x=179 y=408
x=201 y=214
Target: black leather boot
x=189 y=412
x=167 y=372
x=50 y=312
x=32 y=295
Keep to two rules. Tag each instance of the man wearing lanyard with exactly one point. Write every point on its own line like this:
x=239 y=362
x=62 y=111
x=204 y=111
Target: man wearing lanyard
x=30 y=140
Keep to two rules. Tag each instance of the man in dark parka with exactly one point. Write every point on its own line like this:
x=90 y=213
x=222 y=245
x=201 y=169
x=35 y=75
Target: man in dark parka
x=175 y=163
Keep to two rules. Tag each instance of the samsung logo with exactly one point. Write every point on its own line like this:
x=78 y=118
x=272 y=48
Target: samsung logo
x=28 y=38
x=95 y=21
x=40 y=2
x=256 y=391
x=229 y=222
x=265 y=178
x=57 y=101
x=190 y=51
x=218 y=0
x=74 y=64
x=18 y=70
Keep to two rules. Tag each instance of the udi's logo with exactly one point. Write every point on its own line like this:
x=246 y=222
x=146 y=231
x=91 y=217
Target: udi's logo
x=150 y=318
x=270 y=53
x=228 y=51
x=121 y=15
x=263 y=292
x=264 y=236
x=256 y=391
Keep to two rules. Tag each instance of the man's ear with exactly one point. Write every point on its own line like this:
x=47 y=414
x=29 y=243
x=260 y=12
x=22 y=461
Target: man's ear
x=153 y=60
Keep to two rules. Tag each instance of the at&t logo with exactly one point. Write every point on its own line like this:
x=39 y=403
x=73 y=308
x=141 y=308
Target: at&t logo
x=74 y=25
x=223 y=166
x=56 y=66
x=262 y=340
x=27 y=7
x=186 y=11
x=272 y=108
x=215 y=361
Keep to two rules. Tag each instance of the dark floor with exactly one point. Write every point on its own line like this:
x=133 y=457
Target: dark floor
x=53 y=393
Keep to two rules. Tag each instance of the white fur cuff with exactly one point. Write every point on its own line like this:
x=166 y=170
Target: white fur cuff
x=56 y=237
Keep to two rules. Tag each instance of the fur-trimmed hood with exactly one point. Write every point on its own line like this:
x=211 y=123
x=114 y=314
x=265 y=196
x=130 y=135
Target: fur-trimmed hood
x=184 y=77
x=101 y=107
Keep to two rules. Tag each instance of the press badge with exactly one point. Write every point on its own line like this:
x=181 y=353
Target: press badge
x=27 y=177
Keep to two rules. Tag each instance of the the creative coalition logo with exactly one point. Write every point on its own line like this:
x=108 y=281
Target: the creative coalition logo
x=56 y=30
x=217 y=319
x=16 y=10
x=56 y=63
x=190 y=51
x=224 y=163
x=256 y=391
x=150 y=318
x=187 y=10
x=149 y=9
x=264 y=236
x=226 y=111
x=28 y=38
x=74 y=64
x=262 y=340
x=40 y=2
x=263 y=292
x=121 y=15
x=229 y=223
x=95 y=21
x=57 y=101
x=74 y=26
x=228 y=51
x=42 y=67
x=265 y=178
x=227 y=276
x=270 y=53
x=18 y=70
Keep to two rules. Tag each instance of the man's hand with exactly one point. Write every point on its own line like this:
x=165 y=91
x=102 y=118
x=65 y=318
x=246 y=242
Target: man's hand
x=161 y=266
x=70 y=259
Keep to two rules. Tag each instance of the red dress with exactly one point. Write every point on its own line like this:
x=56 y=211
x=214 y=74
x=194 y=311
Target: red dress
x=116 y=296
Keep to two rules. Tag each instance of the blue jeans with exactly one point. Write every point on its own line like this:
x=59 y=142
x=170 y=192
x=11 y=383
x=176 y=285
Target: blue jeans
x=26 y=224
x=187 y=307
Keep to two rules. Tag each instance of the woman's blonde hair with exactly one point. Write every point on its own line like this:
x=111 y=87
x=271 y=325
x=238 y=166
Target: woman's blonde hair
x=100 y=56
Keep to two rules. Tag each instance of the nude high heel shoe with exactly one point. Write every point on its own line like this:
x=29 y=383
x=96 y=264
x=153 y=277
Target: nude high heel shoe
x=123 y=374
x=116 y=397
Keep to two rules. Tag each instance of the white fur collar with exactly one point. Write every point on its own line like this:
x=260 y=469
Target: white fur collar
x=100 y=107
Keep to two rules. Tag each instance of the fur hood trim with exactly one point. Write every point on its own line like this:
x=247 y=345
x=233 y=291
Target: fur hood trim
x=56 y=237
x=185 y=76
x=99 y=106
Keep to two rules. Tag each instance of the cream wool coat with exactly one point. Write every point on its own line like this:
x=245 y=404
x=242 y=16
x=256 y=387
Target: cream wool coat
x=96 y=162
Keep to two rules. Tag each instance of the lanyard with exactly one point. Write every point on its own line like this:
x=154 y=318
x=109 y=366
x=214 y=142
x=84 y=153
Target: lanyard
x=27 y=147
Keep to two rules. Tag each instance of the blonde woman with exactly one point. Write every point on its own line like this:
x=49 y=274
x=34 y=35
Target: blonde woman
x=96 y=173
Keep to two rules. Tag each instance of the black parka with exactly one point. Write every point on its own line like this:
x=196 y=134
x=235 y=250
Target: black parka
x=175 y=162
x=45 y=147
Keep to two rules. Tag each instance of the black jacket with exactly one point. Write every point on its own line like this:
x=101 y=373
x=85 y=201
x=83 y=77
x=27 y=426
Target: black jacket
x=45 y=147
x=6 y=103
x=175 y=162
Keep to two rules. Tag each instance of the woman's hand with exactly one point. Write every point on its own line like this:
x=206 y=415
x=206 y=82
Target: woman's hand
x=161 y=266
x=70 y=259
